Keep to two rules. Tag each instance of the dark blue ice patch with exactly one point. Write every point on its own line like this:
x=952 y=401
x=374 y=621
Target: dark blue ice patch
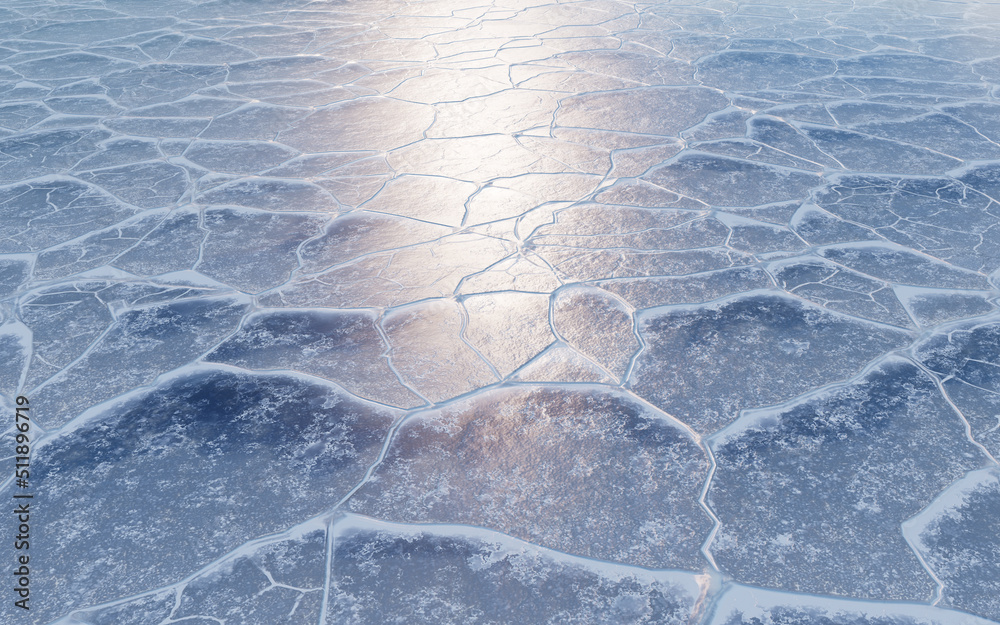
x=280 y=335
x=794 y=615
x=960 y=47
x=200 y=464
x=120 y=151
x=860 y=112
x=723 y=181
x=783 y=136
x=95 y=249
x=90 y=30
x=44 y=213
x=70 y=65
x=861 y=152
x=902 y=266
x=178 y=232
x=761 y=70
x=934 y=215
x=155 y=607
x=151 y=184
x=819 y=227
x=13 y=273
x=35 y=154
x=938 y=132
x=22 y=115
x=970 y=352
x=780 y=347
x=983 y=177
x=841 y=289
x=273 y=238
x=811 y=496
x=983 y=116
x=913 y=91
x=458 y=579
x=906 y=66
x=277 y=581
x=967 y=358
x=962 y=545
x=14 y=353
x=143 y=343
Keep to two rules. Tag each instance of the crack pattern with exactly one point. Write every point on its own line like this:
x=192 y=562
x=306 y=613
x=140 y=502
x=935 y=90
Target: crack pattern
x=505 y=310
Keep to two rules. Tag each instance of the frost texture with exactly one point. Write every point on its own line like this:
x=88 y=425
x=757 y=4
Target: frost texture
x=516 y=311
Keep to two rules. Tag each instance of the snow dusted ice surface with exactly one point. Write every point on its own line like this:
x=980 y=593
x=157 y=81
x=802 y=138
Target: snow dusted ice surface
x=516 y=311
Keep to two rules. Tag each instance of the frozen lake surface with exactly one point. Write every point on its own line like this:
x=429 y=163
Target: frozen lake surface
x=374 y=311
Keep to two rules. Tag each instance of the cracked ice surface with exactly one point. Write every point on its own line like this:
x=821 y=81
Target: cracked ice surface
x=496 y=311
